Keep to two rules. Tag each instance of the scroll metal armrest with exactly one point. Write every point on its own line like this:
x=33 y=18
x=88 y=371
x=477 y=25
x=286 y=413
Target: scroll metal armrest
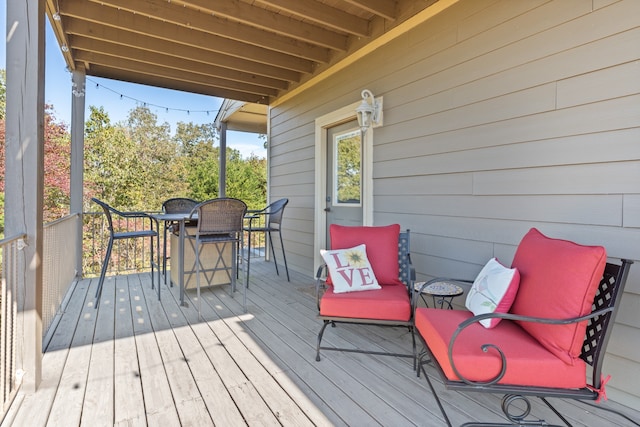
x=508 y=316
x=436 y=280
x=320 y=283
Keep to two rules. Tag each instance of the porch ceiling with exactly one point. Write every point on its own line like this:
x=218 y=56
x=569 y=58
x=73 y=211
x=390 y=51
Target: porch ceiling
x=246 y=50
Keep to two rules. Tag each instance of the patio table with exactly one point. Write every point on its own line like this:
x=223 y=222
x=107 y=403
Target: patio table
x=181 y=219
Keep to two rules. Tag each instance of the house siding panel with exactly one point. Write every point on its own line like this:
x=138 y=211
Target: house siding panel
x=499 y=116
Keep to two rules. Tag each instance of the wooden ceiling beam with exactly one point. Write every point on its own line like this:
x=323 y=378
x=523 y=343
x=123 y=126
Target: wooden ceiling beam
x=383 y=8
x=324 y=15
x=208 y=23
x=154 y=58
x=139 y=41
x=177 y=84
x=139 y=24
x=261 y=18
x=170 y=73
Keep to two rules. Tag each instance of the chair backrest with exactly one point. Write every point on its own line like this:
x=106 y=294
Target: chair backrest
x=220 y=216
x=599 y=328
x=179 y=205
x=274 y=212
x=107 y=212
x=406 y=273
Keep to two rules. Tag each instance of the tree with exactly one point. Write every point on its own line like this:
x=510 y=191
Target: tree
x=159 y=176
x=247 y=179
x=190 y=137
x=3 y=96
x=57 y=167
x=111 y=162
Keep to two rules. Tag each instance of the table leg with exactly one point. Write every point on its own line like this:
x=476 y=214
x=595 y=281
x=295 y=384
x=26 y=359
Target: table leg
x=164 y=252
x=181 y=262
x=158 y=254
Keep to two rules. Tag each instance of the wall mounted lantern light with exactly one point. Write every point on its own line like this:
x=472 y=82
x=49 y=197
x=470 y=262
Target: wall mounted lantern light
x=369 y=112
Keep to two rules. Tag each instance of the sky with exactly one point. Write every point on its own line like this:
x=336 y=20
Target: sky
x=118 y=98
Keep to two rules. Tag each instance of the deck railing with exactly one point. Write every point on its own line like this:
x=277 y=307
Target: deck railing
x=60 y=240
x=13 y=263
x=128 y=256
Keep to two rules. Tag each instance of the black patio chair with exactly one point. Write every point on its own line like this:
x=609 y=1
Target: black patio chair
x=269 y=220
x=220 y=222
x=114 y=235
x=175 y=205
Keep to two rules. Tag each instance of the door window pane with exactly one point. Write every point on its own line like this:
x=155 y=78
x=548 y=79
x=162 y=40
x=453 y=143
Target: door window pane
x=347 y=169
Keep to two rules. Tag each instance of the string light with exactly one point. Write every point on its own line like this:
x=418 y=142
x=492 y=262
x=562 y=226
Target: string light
x=149 y=104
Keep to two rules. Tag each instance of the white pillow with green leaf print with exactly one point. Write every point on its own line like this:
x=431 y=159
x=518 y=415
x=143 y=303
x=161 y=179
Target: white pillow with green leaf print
x=350 y=269
x=493 y=291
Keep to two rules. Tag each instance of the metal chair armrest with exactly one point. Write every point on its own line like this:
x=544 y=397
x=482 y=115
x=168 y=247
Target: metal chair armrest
x=508 y=316
x=321 y=283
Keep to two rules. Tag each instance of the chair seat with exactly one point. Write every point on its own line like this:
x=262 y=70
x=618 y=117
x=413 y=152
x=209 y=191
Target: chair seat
x=212 y=238
x=528 y=362
x=259 y=229
x=389 y=303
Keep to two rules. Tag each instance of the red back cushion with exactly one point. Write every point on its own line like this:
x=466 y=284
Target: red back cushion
x=382 y=247
x=559 y=280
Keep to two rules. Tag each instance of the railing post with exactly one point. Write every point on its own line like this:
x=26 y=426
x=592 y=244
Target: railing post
x=77 y=157
x=24 y=172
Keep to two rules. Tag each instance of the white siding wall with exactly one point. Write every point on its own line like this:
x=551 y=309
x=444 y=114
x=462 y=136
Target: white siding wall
x=499 y=116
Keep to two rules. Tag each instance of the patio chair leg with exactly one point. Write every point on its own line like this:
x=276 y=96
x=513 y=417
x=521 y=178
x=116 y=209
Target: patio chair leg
x=286 y=268
x=433 y=391
x=273 y=252
x=415 y=356
x=324 y=326
x=103 y=272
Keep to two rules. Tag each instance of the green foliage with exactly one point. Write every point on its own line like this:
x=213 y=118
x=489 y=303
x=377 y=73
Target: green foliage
x=137 y=165
x=349 y=158
x=112 y=164
x=3 y=95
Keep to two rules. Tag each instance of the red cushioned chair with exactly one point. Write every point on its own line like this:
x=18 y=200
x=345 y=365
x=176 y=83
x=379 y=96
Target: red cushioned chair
x=387 y=250
x=559 y=323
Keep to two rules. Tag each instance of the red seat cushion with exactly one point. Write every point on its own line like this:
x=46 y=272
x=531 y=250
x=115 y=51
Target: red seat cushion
x=528 y=362
x=558 y=280
x=382 y=247
x=389 y=303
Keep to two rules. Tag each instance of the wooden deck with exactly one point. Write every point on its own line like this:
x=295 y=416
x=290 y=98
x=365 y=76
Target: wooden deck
x=140 y=361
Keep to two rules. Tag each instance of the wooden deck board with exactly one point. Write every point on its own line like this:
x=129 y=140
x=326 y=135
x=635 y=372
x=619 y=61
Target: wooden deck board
x=140 y=361
x=127 y=391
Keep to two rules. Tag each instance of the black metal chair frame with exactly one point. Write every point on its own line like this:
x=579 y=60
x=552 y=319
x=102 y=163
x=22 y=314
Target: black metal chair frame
x=174 y=205
x=223 y=228
x=599 y=327
x=272 y=222
x=406 y=275
x=151 y=233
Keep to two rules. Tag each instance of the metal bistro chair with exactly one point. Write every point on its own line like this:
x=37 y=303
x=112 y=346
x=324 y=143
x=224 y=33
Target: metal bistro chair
x=175 y=205
x=219 y=221
x=272 y=222
x=119 y=235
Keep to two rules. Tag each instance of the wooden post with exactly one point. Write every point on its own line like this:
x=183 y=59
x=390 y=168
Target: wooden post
x=222 y=178
x=78 y=78
x=25 y=171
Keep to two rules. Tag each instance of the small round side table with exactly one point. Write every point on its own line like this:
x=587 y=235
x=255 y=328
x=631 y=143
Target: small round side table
x=441 y=293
